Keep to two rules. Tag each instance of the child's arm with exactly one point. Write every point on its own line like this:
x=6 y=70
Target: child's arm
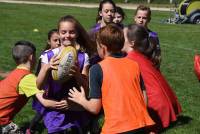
x=51 y=103
x=85 y=75
x=44 y=71
x=42 y=75
x=82 y=80
x=92 y=105
x=81 y=77
x=27 y=86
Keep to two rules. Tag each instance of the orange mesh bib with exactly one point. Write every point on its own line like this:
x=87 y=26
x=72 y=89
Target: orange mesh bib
x=122 y=98
x=10 y=101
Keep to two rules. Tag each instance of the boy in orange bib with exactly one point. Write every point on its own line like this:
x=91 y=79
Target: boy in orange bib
x=115 y=86
x=20 y=85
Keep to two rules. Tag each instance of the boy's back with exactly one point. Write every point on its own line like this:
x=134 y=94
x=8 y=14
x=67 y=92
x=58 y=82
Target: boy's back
x=19 y=85
x=10 y=100
x=121 y=95
x=115 y=85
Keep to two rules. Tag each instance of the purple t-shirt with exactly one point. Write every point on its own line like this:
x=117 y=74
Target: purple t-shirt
x=56 y=120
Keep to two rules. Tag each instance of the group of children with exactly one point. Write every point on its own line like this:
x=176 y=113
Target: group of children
x=117 y=72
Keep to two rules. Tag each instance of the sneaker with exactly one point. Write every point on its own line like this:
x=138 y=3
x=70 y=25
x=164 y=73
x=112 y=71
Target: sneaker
x=11 y=128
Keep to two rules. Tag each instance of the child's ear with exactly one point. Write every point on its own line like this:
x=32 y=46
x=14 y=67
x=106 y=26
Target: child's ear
x=132 y=43
x=48 y=42
x=104 y=48
x=134 y=18
x=30 y=57
x=100 y=13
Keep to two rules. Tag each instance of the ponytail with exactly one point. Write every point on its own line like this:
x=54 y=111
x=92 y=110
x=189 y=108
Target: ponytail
x=156 y=52
x=144 y=43
x=144 y=46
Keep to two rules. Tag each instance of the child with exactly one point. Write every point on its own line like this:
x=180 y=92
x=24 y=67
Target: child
x=120 y=95
x=143 y=17
x=52 y=42
x=19 y=86
x=105 y=16
x=119 y=17
x=163 y=105
x=71 y=33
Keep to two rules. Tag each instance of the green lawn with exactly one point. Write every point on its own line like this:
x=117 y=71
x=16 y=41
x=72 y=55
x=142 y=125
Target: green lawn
x=179 y=43
x=116 y=1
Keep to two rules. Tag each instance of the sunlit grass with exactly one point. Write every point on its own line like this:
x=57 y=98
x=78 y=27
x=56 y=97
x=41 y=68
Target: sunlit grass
x=179 y=43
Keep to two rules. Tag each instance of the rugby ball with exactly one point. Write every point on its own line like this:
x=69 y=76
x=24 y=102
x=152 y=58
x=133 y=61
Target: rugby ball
x=68 y=56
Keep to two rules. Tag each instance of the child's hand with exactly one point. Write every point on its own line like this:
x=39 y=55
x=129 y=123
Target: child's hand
x=75 y=71
x=54 y=62
x=62 y=105
x=76 y=96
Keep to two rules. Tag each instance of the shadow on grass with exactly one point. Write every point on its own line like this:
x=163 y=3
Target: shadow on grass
x=181 y=120
x=38 y=130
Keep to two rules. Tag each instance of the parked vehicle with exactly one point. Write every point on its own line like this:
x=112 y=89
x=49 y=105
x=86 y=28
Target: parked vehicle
x=188 y=11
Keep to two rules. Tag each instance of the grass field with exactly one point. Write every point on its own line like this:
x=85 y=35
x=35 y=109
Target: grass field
x=179 y=43
x=116 y=1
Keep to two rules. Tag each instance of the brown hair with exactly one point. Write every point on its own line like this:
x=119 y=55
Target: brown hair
x=102 y=2
x=83 y=38
x=50 y=33
x=22 y=50
x=144 y=8
x=112 y=37
x=141 y=39
x=120 y=11
x=143 y=43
